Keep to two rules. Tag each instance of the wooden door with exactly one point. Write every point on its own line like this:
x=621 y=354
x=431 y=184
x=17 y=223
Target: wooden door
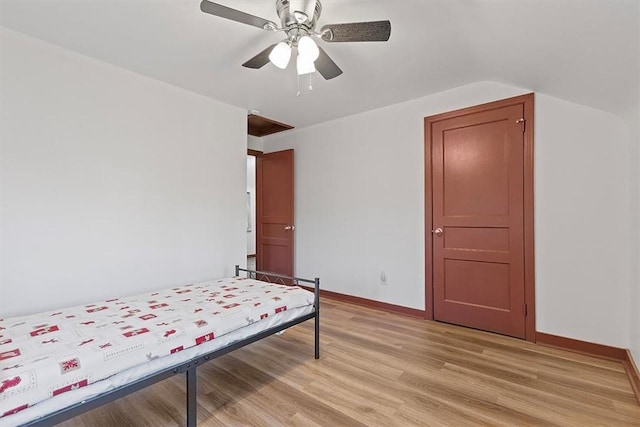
x=478 y=218
x=274 y=212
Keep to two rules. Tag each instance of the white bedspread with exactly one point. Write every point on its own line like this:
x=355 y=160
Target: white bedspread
x=46 y=355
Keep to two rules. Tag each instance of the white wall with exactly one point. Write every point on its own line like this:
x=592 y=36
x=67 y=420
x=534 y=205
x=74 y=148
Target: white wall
x=251 y=189
x=635 y=307
x=635 y=138
x=582 y=220
x=111 y=183
x=634 y=301
x=635 y=215
x=633 y=120
x=255 y=143
x=360 y=208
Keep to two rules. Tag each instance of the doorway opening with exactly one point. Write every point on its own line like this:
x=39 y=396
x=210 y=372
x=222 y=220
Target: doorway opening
x=269 y=201
x=251 y=210
x=273 y=212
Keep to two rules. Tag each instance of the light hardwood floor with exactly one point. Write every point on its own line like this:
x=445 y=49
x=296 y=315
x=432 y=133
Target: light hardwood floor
x=381 y=369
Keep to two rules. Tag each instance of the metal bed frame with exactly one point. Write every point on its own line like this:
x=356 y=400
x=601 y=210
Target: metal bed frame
x=189 y=367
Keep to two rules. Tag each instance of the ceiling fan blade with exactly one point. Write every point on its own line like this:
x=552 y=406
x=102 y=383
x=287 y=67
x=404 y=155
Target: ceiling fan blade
x=236 y=15
x=260 y=60
x=375 y=31
x=326 y=67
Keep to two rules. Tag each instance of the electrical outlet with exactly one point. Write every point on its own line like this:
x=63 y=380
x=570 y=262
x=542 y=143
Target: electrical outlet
x=383 y=278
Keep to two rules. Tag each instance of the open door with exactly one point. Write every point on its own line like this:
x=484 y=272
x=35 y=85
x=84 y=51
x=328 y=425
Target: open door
x=274 y=212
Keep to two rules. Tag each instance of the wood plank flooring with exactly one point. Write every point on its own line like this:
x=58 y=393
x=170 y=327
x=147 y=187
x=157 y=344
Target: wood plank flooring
x=381 y=369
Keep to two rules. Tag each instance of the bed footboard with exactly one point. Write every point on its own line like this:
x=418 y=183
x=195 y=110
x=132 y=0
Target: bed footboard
x=266 y=276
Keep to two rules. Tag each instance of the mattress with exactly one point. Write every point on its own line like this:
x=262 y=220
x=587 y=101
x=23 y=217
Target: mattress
x=51 y=360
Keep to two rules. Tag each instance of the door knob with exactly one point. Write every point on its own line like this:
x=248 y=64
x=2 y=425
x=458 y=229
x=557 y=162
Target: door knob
x=290 y=227
x=438 y=231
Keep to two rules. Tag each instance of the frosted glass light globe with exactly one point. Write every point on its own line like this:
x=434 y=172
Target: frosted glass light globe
x=308 y=48
x=280 y=55
x=305 y=65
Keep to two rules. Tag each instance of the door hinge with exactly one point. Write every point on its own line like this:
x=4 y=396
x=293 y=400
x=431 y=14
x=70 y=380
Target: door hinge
x=525 y=310
x=522 y=122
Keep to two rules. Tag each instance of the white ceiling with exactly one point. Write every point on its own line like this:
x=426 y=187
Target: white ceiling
x=585 y=51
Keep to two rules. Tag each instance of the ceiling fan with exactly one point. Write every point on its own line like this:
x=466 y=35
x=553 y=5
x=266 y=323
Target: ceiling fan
x=300 y=29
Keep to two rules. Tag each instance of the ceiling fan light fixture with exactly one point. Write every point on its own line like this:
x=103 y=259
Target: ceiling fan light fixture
x=308 y=48
x=280 y=55
x=305 y=65
x=298 y=19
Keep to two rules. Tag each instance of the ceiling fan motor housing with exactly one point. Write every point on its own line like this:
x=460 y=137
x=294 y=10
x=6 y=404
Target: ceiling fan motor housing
x=298 y=19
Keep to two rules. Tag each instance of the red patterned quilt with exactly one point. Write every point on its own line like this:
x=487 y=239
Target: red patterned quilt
x=46 y=354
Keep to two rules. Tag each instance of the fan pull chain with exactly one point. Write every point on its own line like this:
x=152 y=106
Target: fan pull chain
x=310 y=87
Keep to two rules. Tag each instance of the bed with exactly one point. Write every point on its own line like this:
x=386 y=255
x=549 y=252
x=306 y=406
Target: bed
x=60 y=364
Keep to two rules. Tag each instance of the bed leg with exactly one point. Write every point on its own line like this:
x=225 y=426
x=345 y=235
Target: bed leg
x=317 y=319
x=191 y=397
x=237 y=270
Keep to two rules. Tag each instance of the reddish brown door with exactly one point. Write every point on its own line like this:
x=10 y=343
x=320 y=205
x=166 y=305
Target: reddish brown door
x=477 y=167
x=274 y=212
